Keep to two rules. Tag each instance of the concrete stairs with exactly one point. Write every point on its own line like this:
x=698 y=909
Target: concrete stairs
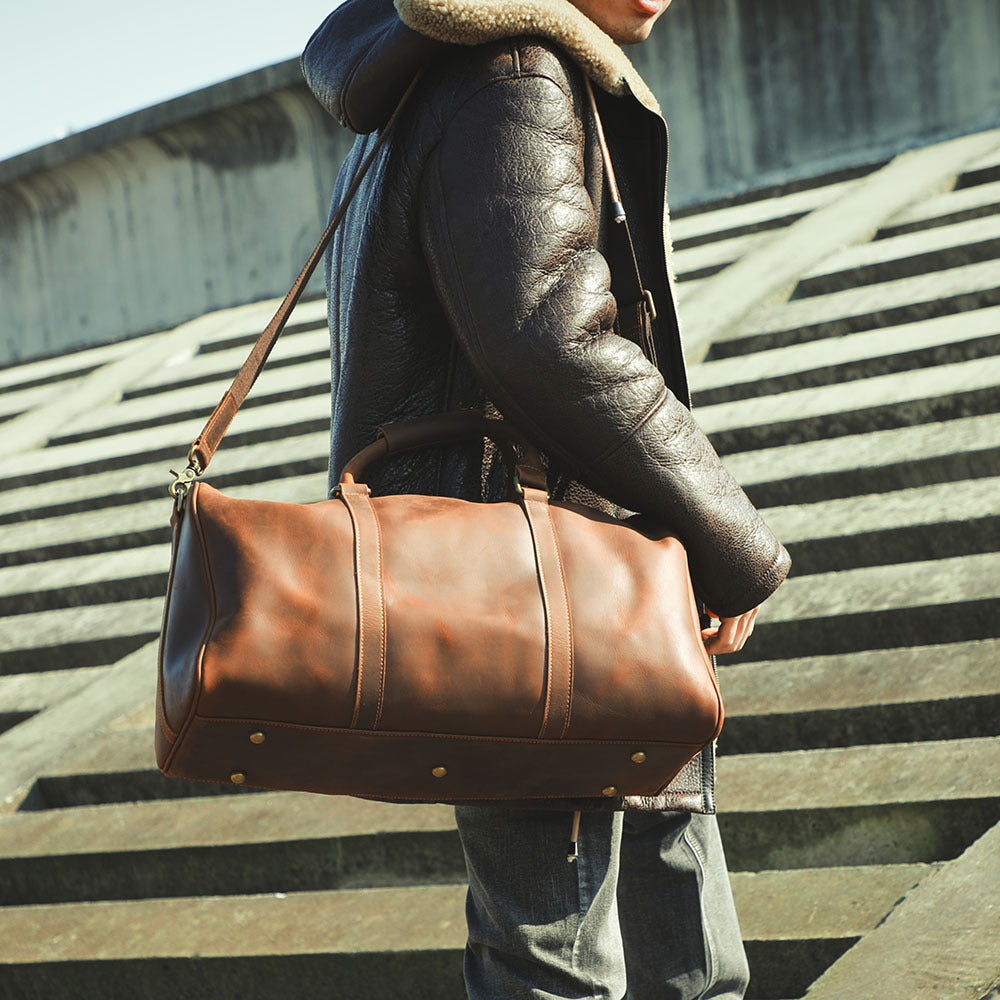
x=859 y=773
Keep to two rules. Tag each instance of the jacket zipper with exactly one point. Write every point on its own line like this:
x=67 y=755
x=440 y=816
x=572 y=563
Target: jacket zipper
x=667 y=257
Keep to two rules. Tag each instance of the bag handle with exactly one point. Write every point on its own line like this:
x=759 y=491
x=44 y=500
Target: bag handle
x=206 y=443
x=449 y=428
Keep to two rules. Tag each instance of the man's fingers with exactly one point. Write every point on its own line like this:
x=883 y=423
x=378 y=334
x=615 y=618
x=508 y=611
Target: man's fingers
x=730 y=635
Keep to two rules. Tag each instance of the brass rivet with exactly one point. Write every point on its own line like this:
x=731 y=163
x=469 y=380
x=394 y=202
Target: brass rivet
x=638 y=758
x=439 y=772
x=257 y=737
x=610 y=790
x=237 y=777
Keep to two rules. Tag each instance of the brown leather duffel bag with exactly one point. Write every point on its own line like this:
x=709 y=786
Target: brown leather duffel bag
x=427 y=648
x=424 y=648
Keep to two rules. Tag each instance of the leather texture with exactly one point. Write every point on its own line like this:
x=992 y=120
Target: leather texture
x=472 y=272
x=427 y=648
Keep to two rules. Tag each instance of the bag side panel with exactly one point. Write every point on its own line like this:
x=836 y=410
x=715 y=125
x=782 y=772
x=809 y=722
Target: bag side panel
x=189 y=612
x=640 y=666
x=284 y=644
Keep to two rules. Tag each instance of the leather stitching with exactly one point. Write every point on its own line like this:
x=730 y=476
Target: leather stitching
x=644 y=419
x=569 y=621
x=391 y=734
x=554 y=653
x=361 y=607
x=548 y=615
x=381 y=603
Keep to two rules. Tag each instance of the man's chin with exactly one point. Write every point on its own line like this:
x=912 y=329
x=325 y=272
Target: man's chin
x=633 y=36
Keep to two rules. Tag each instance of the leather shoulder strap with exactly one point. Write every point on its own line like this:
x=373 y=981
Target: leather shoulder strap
x=617 y=208
x=208 y=440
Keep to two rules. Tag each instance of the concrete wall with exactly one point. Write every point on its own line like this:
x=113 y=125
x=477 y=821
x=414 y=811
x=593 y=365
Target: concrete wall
x=217 y=197
x=213 y=200
x=760 y=91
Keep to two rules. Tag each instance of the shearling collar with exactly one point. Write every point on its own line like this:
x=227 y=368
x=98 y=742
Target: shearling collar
x=470 y=22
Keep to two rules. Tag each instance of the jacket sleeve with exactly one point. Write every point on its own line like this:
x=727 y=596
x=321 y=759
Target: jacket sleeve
x=510 y=235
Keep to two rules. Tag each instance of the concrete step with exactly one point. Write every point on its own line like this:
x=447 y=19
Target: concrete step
x=944 y=209
x=878 y=803
x=237 y=336
x=216 y=361
x=89 y=487
x=706 y=259
x=919 y=694
x=878 y=461
x=943 y=340
x=859 y=805
x=71 y=635
x=974 y=176
x=8 y=720
x=16 y=401
x=268 y=842
x=989 y=160
x=234 y=324
x=883 y=588
x=30 y=693
x=892 y=628
x=783 y=468
x=963 y=389
x=78 y=581
x=61 y=367
x=943 y=520
x=78 y=637
x=291 y=329
x=280 y=387
x=293 y=365
x=132 y=525
x=880 y=607
x=937 y=504
x=889 y=303
x=257 y=424
x=133 y=573
x=937 y=943
x=902 y=256
x=388 y=942
x=759 y=214
x=295 y=842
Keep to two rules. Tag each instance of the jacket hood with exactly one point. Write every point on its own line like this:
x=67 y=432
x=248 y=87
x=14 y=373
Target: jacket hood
x=362 y=57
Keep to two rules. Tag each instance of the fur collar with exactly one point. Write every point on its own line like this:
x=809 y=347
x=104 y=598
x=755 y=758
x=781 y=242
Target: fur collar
x=470 y=22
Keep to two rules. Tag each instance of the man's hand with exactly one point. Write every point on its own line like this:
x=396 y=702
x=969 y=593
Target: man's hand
x=730 y=634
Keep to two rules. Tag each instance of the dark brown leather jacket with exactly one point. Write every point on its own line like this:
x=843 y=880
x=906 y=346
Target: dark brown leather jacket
x=472 y=271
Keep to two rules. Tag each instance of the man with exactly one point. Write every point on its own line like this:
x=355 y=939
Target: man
x=472 y=271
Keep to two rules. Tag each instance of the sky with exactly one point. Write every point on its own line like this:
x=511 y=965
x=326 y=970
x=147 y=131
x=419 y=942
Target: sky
x=67 y=65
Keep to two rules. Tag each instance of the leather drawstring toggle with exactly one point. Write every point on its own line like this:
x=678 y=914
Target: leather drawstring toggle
x=574 y=836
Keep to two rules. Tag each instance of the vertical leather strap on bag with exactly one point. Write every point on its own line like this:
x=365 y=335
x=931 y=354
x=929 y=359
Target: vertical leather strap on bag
x=371 y=607
x=558 y=620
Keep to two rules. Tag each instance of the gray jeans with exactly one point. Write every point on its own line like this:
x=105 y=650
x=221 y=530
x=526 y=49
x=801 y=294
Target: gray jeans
x=645 y=913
